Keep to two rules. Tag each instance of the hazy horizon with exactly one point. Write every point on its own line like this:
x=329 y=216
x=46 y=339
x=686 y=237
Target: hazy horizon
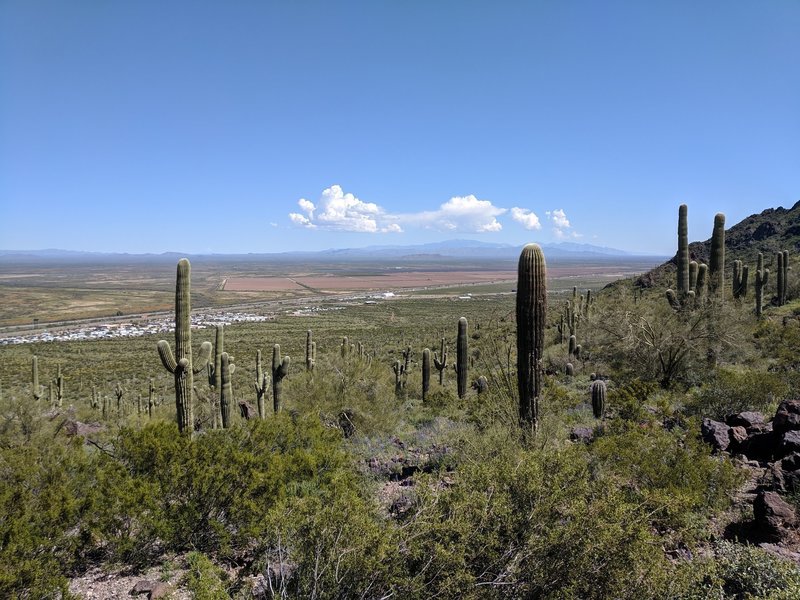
x=274 y=127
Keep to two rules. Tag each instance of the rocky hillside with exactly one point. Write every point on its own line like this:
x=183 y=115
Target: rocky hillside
x=767 y=232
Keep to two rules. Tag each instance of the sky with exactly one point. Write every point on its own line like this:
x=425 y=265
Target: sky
x=277 y=125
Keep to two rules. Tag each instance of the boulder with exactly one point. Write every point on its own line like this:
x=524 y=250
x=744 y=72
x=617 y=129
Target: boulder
x=581 y=434
x=716 y=434
x=74 y=428
x=790 y=443
x=760 y=446
x=738 y=435
x=791 y=462
x=745 y=419
x=153 y=589
x=787 y=417
x=773 y=516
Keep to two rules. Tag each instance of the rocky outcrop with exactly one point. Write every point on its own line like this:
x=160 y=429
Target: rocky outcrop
x=774 y=448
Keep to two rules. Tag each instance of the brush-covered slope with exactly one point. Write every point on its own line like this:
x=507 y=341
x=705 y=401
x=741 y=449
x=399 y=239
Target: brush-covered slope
x=767 y=232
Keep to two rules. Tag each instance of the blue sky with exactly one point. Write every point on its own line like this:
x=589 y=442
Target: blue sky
x=275 y=125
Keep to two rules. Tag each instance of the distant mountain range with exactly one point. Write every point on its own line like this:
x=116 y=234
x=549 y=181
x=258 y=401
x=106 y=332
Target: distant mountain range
x=449 y=249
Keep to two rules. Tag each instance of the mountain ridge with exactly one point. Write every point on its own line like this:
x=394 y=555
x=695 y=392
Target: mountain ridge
x=770 y=231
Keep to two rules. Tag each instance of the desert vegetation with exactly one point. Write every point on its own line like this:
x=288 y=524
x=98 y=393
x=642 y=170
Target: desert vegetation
x=598 y=443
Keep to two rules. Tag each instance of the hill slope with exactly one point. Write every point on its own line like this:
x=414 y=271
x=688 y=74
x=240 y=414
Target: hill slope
x=767 y=232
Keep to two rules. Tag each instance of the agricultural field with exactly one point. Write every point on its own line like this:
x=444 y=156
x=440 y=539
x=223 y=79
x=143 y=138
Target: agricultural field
x=363 y=485
x=75 y=290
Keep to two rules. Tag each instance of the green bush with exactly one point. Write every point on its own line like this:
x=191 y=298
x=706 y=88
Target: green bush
x=46 y=492
x=730 y=391
x=670 y=474
x=212 y=492
x=737 y=571
x=205 y=580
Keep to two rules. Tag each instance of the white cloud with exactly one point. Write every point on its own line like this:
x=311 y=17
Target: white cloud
x=559 y=218
x=561 y=224
x=527 y=218
x=460 y=213
x=301 y=220
x=340 y=211
x=306 y=206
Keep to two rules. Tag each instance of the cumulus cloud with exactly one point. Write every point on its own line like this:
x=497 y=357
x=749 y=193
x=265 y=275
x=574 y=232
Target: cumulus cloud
x=527 y=218
x=561 y=225
x=559 y=218
x=340 y=211
x=461 y=213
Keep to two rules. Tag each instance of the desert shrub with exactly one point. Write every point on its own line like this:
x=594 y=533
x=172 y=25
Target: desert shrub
x=205 y=580
x=211 y=493
x=525 y=523
x=730 y=391
x=737 y=571
x=327 y=546
x=629 y=400
x=46 y=492
x=337 y=384
x=670 y=474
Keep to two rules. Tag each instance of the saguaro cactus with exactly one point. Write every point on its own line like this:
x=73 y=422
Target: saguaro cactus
x=58 y=387
x=35 y=387
x=225 y=390
x=119 y=392
x=716 y=267
x=215 y=370
x=683 y=252
x=598 y=398
x=399 y=379
x=280 y=368
x=761 y=279
x=180 y=364
x=462 y=357
x=440 y=361
x=693 y=275
x=426 y=372
x=309 y=353
x=531 y=310
x=261 y=385
x=741 y=273
x=702 y=282
x=151 y=398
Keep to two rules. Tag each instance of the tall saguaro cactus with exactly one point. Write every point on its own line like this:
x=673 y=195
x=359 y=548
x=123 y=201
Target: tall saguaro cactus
x=180 y=363
x=716 y=267
x=531 y=312
x=462 y=357
x=309 y=351
x=215 y=370
x=440 y=361
x=741 y=274
x=426 y=372
x=280 y=368
x=683 y=252
x=762 y=277
x=35 y=387
x=261 y=385
x=225 y=390
x=782 y=259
